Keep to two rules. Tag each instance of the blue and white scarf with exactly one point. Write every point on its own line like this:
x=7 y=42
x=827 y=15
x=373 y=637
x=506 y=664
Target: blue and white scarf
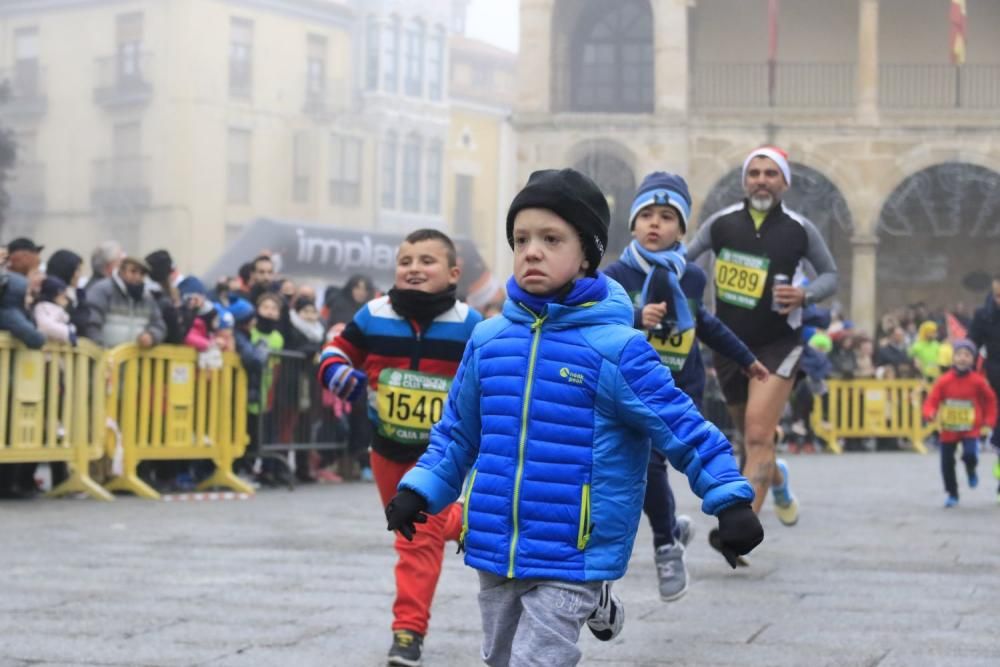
x=673 y=259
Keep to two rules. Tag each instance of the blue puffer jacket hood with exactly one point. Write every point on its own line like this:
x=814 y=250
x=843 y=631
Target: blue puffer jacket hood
x=13 y=316
x=551 y=416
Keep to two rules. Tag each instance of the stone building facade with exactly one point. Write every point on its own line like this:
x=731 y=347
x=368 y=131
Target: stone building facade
x=895 y=151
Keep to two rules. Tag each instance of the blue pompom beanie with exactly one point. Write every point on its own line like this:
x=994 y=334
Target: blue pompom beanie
x=664 y=189
x=241 y=310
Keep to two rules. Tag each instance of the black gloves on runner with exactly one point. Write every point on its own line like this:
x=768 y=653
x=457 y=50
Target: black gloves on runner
x=407 y=509
x=739 y=532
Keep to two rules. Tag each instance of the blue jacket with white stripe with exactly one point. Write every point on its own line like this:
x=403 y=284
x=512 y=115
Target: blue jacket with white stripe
x=551 y=416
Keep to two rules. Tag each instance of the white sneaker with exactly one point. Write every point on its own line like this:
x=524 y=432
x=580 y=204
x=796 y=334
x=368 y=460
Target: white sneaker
x=607 y=621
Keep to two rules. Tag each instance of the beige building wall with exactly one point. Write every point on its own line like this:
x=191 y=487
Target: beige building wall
x=184 y=123
x=737 y=31
x=480 y=150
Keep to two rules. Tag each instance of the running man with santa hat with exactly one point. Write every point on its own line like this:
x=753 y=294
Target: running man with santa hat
x=754 y=241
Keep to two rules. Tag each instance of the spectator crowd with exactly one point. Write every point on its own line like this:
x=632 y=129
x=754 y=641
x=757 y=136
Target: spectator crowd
x=261 y=315
x=148 y=301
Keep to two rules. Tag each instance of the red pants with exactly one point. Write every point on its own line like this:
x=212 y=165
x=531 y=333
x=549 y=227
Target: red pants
x=419 y=564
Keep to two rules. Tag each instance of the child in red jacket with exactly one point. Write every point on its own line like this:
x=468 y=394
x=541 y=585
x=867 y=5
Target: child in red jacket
x=966 y=405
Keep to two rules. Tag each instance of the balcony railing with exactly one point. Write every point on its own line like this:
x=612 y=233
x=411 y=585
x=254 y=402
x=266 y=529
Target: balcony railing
x=324 y=97
x=124 y=80
x=822 y=86
x=27 y=187
x=939 y=87
x=121 y=182
x=26 y=91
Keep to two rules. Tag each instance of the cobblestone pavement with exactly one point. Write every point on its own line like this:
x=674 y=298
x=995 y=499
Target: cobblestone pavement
x=875 y=574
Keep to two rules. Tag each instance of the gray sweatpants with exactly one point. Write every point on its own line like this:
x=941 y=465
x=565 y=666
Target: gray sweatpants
x=533 y=621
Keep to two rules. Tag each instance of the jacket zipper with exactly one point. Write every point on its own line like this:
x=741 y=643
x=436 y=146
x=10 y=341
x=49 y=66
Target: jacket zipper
x=536 y=329
x=583 y=534
x=465 y=512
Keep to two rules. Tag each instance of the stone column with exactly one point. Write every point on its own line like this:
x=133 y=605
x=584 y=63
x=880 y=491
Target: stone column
x=863 y=307
x=867 y=102
x=534 y=66
x=670 y=56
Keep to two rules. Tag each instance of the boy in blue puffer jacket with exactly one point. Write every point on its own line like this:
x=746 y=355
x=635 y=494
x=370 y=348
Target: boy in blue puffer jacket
x=667 y=295
x=551 y=415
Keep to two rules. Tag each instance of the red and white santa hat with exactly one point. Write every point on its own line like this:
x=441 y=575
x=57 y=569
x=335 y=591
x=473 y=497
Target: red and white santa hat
x=779 y=156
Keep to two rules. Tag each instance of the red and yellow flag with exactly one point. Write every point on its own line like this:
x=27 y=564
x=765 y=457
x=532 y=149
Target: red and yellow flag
x=957 y=32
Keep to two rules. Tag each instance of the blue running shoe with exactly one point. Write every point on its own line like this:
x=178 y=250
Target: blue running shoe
x=973 y=480
x=951 y=501
x=785 y=504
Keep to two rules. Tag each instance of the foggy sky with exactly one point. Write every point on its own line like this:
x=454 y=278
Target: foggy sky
x=494 y=21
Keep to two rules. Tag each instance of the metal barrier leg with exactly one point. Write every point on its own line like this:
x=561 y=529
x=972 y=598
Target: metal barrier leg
x=80 y=482
x=131 y=483
x=227 y=479
x=824 y=431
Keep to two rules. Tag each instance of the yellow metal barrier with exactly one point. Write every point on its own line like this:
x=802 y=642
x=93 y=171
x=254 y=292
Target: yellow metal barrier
x=871 y=409
x=46 y=411
x=166 y=409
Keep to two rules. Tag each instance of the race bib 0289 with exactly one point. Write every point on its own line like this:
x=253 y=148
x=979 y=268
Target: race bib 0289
x=740 y=278
x=409 y=403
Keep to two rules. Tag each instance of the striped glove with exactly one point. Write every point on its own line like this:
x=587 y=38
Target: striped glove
x=346 y=382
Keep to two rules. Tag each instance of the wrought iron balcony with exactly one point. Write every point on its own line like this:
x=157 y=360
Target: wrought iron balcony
x=820 y=86
x=938 y=87
x=325 y=97
x=25 y=91
x=123 y=80
x=121 y=183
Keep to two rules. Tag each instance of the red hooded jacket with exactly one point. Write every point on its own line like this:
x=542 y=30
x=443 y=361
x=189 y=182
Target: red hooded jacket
x=964 y=403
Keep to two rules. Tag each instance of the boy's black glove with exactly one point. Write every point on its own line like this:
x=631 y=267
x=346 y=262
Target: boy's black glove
x=739 y=532
x=405 y=510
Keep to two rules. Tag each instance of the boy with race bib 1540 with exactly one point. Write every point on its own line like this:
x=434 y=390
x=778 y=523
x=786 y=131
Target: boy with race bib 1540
x=406 y=346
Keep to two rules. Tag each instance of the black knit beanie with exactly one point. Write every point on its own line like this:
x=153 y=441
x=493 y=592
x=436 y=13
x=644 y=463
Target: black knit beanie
x=574 y=198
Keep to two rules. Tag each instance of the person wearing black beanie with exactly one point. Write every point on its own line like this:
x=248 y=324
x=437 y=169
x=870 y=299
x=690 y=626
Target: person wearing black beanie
x=551 y=418
x=574 y=198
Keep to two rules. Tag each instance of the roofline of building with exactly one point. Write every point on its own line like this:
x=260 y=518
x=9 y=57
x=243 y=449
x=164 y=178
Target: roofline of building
x=477 y=49
x=315 y=10
x=461 y=103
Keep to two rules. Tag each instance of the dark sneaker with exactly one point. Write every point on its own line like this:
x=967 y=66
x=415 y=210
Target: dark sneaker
x=609 y=618
x=406 y=646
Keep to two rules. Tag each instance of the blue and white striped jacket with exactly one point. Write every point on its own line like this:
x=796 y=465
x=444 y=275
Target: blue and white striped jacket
x=553 y=415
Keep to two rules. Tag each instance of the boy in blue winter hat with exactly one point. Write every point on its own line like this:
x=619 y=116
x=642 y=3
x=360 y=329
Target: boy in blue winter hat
x=551 y=417
x=666 y=294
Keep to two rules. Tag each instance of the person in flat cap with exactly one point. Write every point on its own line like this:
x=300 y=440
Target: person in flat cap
x=122 y=310
x=553 y=411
